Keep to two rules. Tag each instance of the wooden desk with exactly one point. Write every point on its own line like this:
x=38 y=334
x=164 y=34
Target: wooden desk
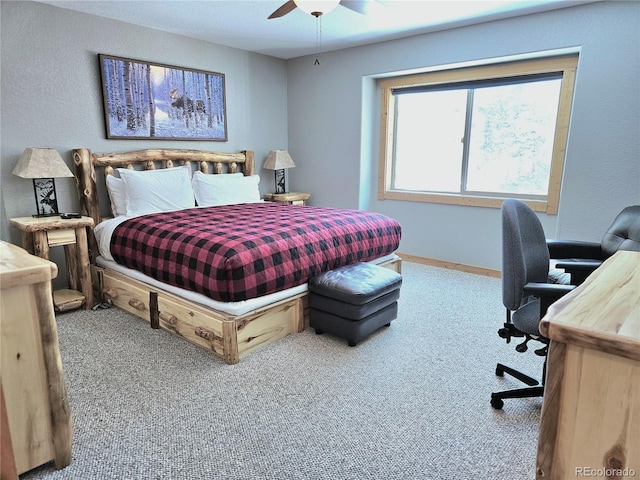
x=39 y=234
x=590 y=424
x=33 y=386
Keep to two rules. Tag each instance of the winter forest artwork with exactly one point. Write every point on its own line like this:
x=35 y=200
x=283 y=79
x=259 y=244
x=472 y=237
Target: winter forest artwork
x=151 y=101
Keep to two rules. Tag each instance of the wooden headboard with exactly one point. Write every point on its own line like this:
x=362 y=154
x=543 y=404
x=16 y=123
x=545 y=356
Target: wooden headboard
x=86 y=164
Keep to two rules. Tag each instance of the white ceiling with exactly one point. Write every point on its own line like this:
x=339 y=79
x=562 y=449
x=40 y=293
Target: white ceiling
x=243 y=23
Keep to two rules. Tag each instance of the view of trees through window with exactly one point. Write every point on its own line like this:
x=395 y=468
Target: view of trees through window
x=477 y=134
x=495 y=139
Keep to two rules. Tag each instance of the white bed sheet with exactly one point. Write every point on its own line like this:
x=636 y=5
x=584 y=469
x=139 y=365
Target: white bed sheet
x=103 y=232
x=232 y=308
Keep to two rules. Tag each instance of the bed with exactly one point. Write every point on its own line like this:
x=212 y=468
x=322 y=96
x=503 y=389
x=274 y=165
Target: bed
x=205 y=268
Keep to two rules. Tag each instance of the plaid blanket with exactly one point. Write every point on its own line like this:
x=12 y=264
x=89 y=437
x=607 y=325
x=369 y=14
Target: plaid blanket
x=237 y=252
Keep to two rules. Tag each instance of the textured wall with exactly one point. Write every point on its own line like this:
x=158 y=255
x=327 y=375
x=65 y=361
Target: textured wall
x=334 y=125
x=51 y=94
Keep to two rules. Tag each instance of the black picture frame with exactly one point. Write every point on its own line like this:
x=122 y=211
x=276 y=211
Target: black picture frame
x=147 y=101
x=280 y=181
x=46 y=198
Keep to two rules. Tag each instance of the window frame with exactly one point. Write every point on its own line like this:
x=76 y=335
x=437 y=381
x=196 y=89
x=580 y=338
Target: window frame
x=564 y=64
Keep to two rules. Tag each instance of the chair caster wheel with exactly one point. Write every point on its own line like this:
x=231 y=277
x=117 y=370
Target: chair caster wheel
x=497 y=403
x=504 y=333
x=499 y=371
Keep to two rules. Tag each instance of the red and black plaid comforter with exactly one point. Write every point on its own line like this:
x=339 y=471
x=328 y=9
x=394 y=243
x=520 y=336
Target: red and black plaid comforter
x=236 y=252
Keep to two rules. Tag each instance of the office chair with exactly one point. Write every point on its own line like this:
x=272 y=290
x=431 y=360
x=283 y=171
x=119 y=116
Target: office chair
x=580 y=259
x=526 y=293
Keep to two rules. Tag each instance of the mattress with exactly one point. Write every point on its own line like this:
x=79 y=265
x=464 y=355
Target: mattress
x=235 y=253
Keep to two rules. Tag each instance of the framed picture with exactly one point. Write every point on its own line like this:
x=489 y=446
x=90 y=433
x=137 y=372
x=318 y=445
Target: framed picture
x=145 y=100
x=46 y=199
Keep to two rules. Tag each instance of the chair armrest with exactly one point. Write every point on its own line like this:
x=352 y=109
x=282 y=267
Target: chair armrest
x=574 y=249
x=547 y=290
x=579 y=266
x=579 y=270
x=547 y=293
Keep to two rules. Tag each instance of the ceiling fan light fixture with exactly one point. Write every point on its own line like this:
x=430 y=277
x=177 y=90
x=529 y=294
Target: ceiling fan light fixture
x=317 y=7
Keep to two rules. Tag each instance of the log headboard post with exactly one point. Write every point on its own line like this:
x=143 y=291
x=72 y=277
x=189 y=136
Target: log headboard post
x=87 y=193
x=86 y=183
x=249 y=163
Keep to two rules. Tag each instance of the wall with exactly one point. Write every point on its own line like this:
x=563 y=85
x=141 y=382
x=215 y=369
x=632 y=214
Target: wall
x=334 y=126
x=51 y=94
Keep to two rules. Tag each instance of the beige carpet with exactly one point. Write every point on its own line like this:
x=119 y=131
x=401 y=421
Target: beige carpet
x=410 y=402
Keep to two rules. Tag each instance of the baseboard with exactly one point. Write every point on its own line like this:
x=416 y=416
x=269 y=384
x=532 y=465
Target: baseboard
x=487 y=272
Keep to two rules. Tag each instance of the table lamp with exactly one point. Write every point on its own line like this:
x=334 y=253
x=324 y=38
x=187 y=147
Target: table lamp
x=279 y=160
x=43 y=165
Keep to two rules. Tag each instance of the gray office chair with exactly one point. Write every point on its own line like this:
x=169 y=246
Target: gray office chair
x=579 y=259
x=526 y=293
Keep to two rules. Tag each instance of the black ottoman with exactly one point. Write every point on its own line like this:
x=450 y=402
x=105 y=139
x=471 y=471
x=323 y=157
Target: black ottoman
x=353 y=301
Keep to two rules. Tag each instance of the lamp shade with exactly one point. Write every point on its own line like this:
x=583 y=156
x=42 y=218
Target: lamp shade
x=278 y=159
x=316 y=7
x=41 y=163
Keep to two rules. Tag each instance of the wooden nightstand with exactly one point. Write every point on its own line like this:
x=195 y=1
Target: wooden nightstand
x=39 y=234
x=290 y=198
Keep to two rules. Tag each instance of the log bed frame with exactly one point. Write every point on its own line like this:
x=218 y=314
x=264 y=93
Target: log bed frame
x=228 y=336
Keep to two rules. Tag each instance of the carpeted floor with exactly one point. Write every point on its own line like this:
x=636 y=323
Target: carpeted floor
x=410 y=402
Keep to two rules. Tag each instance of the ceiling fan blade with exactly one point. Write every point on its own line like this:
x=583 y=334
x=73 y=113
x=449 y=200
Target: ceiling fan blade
x=355 y=5
x=360 y=6
x=288 y=7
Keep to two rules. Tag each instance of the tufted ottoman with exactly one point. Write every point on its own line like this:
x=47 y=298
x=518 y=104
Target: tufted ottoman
x=353 y=301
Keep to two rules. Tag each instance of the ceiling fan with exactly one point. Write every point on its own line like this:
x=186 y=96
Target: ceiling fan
x=320 y=7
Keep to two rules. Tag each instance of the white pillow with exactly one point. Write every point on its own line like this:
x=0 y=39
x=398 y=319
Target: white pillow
x=117 y=195
x=225 y=189
x=162 y=190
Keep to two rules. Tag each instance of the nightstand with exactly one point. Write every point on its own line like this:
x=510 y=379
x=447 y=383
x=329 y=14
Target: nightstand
x=39 y=234
x=290 y=198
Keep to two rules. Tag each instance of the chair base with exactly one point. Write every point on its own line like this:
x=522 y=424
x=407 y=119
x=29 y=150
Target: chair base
x=502 y=369
x=534 y=389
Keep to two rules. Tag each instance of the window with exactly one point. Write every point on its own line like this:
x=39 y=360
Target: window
x=477 y=135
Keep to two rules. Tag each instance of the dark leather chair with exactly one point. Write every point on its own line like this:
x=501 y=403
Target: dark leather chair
x=526 y=293
x=580 y=259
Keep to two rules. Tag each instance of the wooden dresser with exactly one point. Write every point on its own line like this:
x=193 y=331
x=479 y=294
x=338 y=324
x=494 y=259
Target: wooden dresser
x=33 y=387
x=590 y=424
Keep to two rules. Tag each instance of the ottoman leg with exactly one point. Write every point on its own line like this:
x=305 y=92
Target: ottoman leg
x=352 y=343
x=319 y=332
